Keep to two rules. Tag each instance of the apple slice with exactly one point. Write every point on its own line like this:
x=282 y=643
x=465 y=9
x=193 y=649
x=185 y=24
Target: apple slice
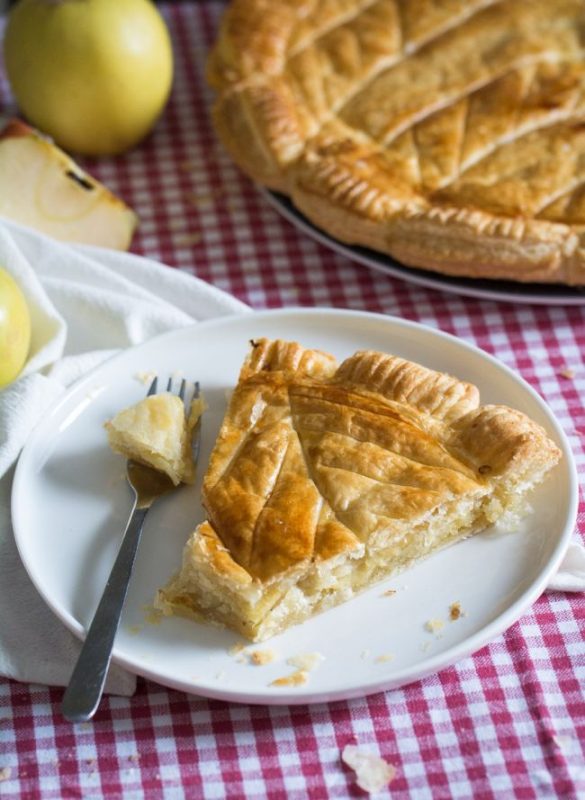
x=42 y=187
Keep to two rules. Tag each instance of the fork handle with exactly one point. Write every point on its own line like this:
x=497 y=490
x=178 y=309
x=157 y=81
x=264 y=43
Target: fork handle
x=85 y=688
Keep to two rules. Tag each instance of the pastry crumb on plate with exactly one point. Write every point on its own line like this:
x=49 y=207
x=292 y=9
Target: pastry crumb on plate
x=297 y=678
x=134 y=629
x=306 y=661
x=434 y=625
x=455 y=611
x=261 y=657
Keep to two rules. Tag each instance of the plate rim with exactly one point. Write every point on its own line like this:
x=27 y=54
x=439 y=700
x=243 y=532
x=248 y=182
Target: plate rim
x=427 y=666
x=415 y=275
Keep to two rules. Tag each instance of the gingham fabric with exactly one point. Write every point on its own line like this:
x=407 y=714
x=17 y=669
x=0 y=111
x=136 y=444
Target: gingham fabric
x=507 y=722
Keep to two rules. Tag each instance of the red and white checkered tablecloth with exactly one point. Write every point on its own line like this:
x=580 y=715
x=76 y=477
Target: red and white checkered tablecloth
x=507 y=722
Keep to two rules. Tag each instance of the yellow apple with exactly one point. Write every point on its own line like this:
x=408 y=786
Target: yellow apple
x=14 y=329
x=93 y=74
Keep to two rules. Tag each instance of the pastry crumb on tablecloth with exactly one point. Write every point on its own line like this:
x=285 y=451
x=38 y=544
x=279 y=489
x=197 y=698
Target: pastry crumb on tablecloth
x=372 y=772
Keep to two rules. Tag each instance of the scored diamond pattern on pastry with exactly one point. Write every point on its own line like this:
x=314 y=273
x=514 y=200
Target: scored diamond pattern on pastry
x=322 y=469
x=307 y=466
x=448 y=134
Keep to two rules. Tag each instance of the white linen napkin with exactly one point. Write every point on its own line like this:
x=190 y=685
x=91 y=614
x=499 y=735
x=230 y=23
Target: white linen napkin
x=86 y=303
x=570 y=577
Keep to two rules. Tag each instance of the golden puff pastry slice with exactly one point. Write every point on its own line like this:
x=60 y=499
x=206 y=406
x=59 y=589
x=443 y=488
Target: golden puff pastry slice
x=328 y=477
x=157 y=432
x=449 y=135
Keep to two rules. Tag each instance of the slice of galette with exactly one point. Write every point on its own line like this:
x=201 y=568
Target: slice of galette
x=328 y=477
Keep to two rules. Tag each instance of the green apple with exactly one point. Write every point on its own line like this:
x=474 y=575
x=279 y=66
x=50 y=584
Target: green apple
x=14 y=329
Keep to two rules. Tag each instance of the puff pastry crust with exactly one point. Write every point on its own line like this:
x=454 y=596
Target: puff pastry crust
x=449 y=135
x=327 y=477
x=157 y=432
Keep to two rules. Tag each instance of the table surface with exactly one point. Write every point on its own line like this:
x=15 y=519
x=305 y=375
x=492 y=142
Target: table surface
x=508 y=721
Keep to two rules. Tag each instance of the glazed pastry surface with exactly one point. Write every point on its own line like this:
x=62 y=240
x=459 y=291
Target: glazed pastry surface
x=449 y=135
x=327 y=477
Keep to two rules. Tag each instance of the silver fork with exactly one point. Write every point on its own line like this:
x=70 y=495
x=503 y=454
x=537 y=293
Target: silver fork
x=86 y=684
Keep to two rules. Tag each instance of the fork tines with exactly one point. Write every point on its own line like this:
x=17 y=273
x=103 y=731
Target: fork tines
x=188 y=390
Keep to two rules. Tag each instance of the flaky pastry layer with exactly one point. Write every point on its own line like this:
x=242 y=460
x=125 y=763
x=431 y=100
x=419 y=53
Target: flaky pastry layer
x=157 y=432
x=328 y=477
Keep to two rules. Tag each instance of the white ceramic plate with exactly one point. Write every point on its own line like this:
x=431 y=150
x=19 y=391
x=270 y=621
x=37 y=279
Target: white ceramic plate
x=506 y=291
x=70 y=504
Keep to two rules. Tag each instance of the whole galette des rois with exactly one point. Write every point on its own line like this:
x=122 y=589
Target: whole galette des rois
x=450 y=135
x=328 y=477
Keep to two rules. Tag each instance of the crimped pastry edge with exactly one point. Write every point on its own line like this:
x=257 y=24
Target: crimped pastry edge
x=453 y=241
